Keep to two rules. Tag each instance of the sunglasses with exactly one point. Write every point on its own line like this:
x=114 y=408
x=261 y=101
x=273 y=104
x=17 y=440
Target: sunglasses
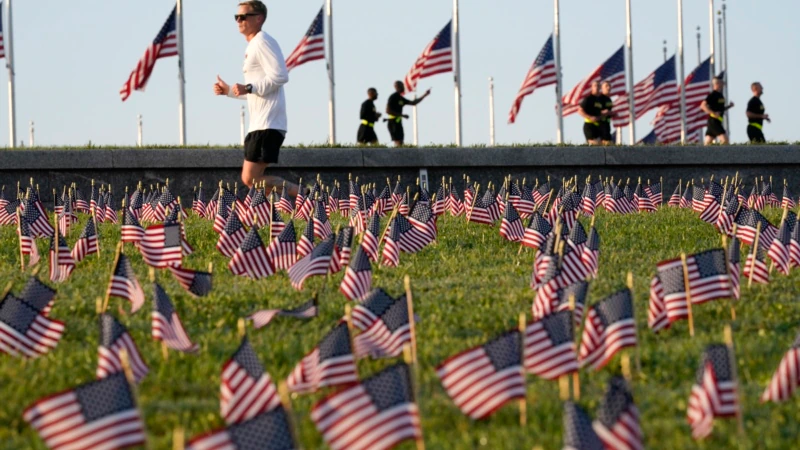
x=243 y=17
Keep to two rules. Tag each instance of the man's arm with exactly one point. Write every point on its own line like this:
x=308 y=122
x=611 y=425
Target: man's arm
x=704 y=107
x=583 y=113
x=271 y=59
x=414 y=102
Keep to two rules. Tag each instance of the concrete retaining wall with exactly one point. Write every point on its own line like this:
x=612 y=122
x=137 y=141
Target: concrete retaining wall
x=186 y=167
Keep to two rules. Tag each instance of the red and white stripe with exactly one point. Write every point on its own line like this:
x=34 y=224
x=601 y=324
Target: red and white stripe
x=243 y=397
x=109 y=361
x=41 y=336
x=170 y=331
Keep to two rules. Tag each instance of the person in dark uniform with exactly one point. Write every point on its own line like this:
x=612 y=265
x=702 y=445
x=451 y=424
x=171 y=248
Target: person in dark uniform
x=756 y=115
x=394 y=111
x=369 y=115
x=714 y=106
x=605 y=113
x=590 y=109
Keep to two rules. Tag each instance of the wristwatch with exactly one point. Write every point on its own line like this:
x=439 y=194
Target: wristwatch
x=249 y=88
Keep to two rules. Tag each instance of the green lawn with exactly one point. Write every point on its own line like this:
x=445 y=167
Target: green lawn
x=467 y=288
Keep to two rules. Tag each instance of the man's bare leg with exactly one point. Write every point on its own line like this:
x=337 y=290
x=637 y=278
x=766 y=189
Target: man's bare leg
x=255 y=171
x=723 y=139
x=708 y=140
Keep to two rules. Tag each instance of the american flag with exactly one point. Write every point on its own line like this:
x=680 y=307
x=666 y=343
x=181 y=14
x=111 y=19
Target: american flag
x=435 y=59
x=27 y=243
x=481 y=210
x=61 y=261
x=270 y=428
x=786 y=379
x=8 y=212
x=579 y=432
x=81 y=205
x=307 y=310
x=246 y=390
x=277 y=224
x=391 y=247
x=617 y=423
x=643 y=201
x=377 y=414
x=331 y=363
x=97 y=414
x=232 y=236
x=610 y=327
x=370 y=238
x=87 y=242
x=550 y=347
x=659 y=88
x=591 y=253
x=342 y=250
x=161 y=245
x=747 y=225
x=675 y=199
x=164 y=45
x=454 y=204
x=734 y=258
x=2 y=44
x=38 y=295
x=260 y=206
x=25 y=329
x=124 y=284
x=577 y=292
x=114 y=338
x=282 y=250
x=311 y=46
x=588 y=200
x=251 y=258
x=698 y=86
x=36 y=218
x=612 y=70
x=196 y=282
x=755 y=268
x=409 y=239
x=383 y=335
x=306 y=242
x=167 y=326
x=322 y=227
x=423 y=219
x=110 y=213
x=724 y=221
x=284 y=205
x=199 y=202
x=537 y=231
x=714 y=391
x=787 y=201
x=357 y=280
x=542 y=73
x=779 y=248
x=131 y=229
x=480 y=380
x=794 y=247
x=511 y=224
x=315 y=263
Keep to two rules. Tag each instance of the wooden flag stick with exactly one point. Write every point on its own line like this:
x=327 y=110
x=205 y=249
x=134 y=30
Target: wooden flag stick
x=241 y=327
x=474 y=198
x=563 y=387
x=411 y=322
x=688 y=293
x=728 y=268
x=178 y=439
x=96 y=229
x=286 y=401
x=125 y=362
x=629 y=283
x=412 y=369
x=21 y=253
x=755 y=255
x=113 y=268
x=732 y=360
x=523 y=402
x=626 y=367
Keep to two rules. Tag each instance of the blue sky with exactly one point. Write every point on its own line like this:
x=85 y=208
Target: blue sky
x=72 y=58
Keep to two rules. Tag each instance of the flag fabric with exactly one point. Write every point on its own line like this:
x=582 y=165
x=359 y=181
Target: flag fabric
x=591 y=253
x=87 y=242
x=423 y=219
x=342 y=250
x=550 y=347
x=331 y=363
x=8 y=212
x=114 y=338
x=482 y=379
x=269 y=430
x=727 y=215
x=610 y=327
x=251 y=258
x=370 y=238
x=383 y=335
x=734 y=257
x=697 y=86
x=162 y=245
x=643 y=201
x=511 y=224
x=246 y=389
x=617 y=423
x=124 y=284
x=131 y=229
x=357 y=280
x=277 y=224
x=282 y=251
x=167 y=326
x=2 y=43
x=787 y=201
x=435 y=59
x=376 y=414
x=714 y=392
x=747 y=225
x=306 y=242
x=315 y=263
x=38 y=295
x=25 y=330
x=409 y=239
x=657 y=89
x=311 y=46
x=27 y=243
x=612 y=70
x=794 y=246
x=196 y=282
x=391 y=247
x=579 y=431
x=307 y=310
x=779 y=248
x=36 y=218
x=97 y=414
x=542 y=73
x=61 y=261
x=164 y=45
x=232 y=236
x=322 y=227
x=537 y=231
x=755 y=268
x=786 y=378
x=576 y=291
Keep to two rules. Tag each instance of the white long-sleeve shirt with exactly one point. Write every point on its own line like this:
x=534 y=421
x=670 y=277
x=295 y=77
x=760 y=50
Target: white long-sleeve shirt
x=265 y=68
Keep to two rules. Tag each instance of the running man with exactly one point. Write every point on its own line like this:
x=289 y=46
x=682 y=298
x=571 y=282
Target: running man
x=714 y=106
x=394 y=111
x=606 y=113
x=590 y=108
x=369 y=115
x=756 y=115
x=264 y=76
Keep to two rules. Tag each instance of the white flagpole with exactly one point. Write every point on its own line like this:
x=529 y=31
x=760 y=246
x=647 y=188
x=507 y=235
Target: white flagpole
x=711 y=36
x=632 y=117
x=457 y=71
x=139 y=130
x=665 y=50
x=727 y=75
x=491 y=112
x=682 y=80
x=30 y=138
x=331 y=81
x=557 y=51
x=12 y=109
x=181 y=76
x=241 y=126
x=414 y=129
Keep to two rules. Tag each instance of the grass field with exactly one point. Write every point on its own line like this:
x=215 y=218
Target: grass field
x=467 y=288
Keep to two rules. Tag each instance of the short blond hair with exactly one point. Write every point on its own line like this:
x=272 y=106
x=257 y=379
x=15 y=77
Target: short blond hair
x=257 y=6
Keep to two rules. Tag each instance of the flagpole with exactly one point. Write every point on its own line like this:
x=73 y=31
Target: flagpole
x=331 y=82
x=415 y=130
x=631 y=112
x=682 y=80
x=711 y=37
x=241 y=126
x=139 y=130
x=181 y=76
x=724 y=44
x=30 y=138
x=491 y=112
x=12 y=110
x=699 y=61
x=557 y=51
x=457 y=71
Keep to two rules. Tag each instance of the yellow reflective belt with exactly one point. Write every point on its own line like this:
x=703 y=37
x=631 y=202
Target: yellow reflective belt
x=369 y=124
x=591 y=122
x=721 y=118
x=397 y=119
x=757 y=125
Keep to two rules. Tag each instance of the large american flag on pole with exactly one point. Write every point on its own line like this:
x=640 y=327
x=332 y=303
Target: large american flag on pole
x=2 y=42
x=659 y=88
x=435 y=59
x=311 y=46
x=612 y=70
x=668 y=120
x=542 y=73
x=164 y=45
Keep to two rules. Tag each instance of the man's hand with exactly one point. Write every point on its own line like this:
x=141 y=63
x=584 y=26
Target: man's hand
x=730 y=105
x=766 y=117
x=221 y=87
x=405 y=116
x=427 y=93
x=239 y=89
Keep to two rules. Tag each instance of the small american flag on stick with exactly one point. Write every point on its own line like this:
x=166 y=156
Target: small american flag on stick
x=307 y=310
x=246 y=389
x=25 y=330
x=610 y=327
x=617 y=423
x=550 y=346
x=124 y=284
x=114 y=338
x=270 y=428
x=331 y=363
x=167 y=326
x=714 y=391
